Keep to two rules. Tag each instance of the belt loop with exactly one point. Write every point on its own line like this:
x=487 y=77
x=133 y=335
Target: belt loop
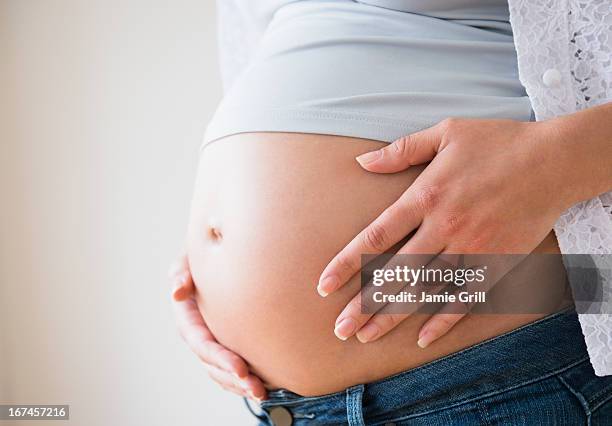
x=354 y=411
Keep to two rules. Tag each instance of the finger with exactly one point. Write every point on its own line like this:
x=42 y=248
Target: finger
x=255 y=387
x=397 y=221
x=182 y=281
x=215 y=354
x=360 y=311
x=354 y=316
x=439 y=324
x=183 y=287
x=350 y=319
x=200 y=340
x=379 y=325
x=410 y=150
x=227 y=381
x=250 y=387
x=424 y=251
x=392 y=314
x=451 y=313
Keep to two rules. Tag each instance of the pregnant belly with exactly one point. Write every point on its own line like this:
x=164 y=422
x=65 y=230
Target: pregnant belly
x=269 y=212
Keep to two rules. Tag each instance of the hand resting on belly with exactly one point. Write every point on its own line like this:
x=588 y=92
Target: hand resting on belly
x=270 y=210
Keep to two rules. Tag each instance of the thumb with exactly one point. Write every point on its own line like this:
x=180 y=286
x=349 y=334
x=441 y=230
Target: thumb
x=183 y=287
x=410 y=150
x=182 y=282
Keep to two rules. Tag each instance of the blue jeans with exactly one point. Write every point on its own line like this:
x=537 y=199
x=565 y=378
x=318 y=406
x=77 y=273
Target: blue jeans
x=538 y=374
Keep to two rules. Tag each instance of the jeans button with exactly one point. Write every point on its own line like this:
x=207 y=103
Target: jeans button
x=280 y=416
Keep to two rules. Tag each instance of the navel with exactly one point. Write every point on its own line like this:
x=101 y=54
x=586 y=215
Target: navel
x=214 y=230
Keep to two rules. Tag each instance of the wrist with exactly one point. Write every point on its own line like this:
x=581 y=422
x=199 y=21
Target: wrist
x=577 y=150
x=552 y=165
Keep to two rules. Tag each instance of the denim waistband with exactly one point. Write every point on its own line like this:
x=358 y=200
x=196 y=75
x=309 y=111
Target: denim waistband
x=522 y=356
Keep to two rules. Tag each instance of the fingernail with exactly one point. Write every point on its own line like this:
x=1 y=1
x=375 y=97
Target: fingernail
x=244 y=375
x=248 y=391
x=425 y=339
x=345 y=328
x=178 y=293
x=368 y=157
x=368 y=333
x=327 y=285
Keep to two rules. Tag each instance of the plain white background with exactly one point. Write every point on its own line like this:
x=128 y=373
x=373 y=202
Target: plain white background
x=103 y=104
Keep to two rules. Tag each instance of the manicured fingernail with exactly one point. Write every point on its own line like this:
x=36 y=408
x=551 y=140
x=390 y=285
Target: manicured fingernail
x=244 y=374
x=368 y=157
x=368 y=333
x=176 y=292
x=179 y=293
x=345 y=328
x=327 y=285
x=425 y=339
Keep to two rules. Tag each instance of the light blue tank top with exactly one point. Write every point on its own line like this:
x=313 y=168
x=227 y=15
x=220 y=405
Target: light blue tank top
x=376 y=69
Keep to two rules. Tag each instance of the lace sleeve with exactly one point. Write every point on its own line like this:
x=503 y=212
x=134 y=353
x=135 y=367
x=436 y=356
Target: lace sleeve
x=572 y=39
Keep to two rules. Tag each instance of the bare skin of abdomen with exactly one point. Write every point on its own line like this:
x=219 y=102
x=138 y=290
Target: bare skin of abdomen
x=270 y=210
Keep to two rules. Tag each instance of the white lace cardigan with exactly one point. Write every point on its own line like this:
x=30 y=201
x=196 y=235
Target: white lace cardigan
x=564 y=50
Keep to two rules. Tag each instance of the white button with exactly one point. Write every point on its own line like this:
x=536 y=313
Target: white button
x=551 y=77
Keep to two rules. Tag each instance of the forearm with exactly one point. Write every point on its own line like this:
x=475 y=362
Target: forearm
x=579 y=148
